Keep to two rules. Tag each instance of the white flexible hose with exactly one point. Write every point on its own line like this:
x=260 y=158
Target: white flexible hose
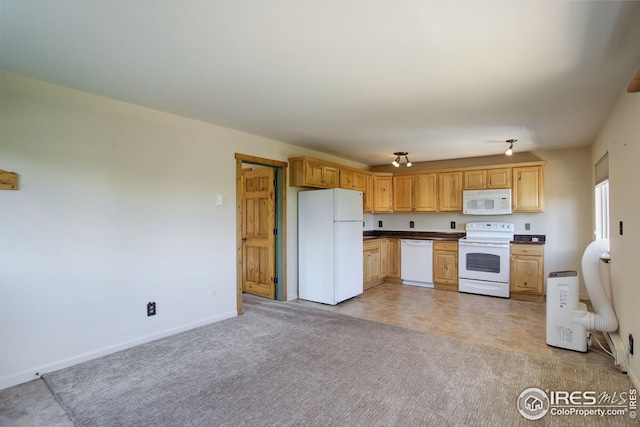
x=604 y=318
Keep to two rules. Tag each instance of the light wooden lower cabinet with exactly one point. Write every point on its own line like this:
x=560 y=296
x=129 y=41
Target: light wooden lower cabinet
x=445 y=265
x=527 y=271
x=393 y=253
x=371 y=263
x=381 y=261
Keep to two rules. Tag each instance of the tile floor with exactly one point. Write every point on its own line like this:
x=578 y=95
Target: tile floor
x=504 y=323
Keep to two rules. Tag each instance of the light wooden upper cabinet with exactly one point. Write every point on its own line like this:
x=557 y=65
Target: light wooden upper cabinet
x=307 y=172
x=403 y=188
x=432 y=191
x=352 y=180
x=415 y=192
x=426 y=199
x=450 y=191
x=322 y=175
x=487 y=179
x=367 y=198
x=528 y=189
x=382 y=192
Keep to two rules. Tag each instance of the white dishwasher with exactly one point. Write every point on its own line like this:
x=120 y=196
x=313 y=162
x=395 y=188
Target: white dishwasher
x=416 y=265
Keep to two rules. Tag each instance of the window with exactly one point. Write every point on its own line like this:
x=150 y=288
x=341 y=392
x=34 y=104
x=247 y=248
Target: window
x=602 y=210
x=602 y=198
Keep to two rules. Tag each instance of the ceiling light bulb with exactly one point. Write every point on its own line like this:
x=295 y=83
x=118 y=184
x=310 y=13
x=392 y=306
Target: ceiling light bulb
x=396 y=162
x=509 y=151
x=409 y=164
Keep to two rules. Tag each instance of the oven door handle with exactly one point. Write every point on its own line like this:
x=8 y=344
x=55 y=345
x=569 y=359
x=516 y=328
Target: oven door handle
x=484 y=245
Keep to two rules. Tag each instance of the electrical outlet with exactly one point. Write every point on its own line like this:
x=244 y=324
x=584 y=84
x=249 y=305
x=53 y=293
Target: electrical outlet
x=453 y=225
x=631 y=344
x=411 y=224
x=379 y=223
x=527 y=226
x=151 y=309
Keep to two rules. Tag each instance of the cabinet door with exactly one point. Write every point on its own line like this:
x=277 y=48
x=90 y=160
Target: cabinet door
x=374 y=260
x=527 y=193
x=367 y=199
x=393 y=269
x=384 y=258
x=425 y=193
x=383 y=193
x=499 y=178
x=352 y=180
x=445 y=267
x=346 y=179
x=403 y=193
x=314 y=174
x=358 y=181
x=526 y=274
x=371 y=267
x=475 y=180
x=366 y=268
x=450 y=191
x=331 y=176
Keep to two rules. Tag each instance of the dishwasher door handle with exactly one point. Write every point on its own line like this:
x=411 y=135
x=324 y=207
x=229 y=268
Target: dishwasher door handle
x=420 y=243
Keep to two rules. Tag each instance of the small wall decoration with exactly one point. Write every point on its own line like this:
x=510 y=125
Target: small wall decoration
x=8 y=180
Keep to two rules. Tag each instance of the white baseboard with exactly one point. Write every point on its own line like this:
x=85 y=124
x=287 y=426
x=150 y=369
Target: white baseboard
x=37 y=371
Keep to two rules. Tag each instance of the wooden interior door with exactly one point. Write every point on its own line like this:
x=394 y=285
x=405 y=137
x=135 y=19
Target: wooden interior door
x=258 y=232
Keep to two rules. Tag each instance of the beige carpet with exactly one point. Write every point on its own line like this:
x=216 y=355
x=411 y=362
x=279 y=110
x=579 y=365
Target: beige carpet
x=290 y=365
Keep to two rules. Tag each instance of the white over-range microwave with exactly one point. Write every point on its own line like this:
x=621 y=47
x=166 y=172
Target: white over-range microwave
x=486 y=202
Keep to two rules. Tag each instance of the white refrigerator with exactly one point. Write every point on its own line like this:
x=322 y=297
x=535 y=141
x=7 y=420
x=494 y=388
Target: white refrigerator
x=329 y=245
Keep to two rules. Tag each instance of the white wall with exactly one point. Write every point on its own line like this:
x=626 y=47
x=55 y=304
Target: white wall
x=566 y=221
x=620 y=136
x=115 y=208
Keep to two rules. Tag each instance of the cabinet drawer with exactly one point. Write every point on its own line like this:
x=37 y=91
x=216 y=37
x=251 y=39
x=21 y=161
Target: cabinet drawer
x=445 y=246
x=369 y=245
x=530 y=250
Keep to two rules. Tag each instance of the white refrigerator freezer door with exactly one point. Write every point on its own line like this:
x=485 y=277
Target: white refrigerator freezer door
x=347 y=260
x=315 y=246
x=347 y=205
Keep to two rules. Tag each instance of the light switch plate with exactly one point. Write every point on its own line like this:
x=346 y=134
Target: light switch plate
x=219 y=200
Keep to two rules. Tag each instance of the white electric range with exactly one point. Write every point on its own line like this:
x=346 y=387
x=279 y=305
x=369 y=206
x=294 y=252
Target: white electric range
x=483 y=258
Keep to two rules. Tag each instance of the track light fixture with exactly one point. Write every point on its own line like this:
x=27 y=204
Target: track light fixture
x=509 y=151
x=399 y=154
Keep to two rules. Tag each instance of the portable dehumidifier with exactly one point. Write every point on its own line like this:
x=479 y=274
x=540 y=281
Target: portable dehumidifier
x=562 y=302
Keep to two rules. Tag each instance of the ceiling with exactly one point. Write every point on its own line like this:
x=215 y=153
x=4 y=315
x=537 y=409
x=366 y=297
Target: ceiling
x=356 y=78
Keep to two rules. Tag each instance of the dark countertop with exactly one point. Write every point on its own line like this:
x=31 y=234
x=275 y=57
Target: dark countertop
x=529 y=239
x=443 y=235
x=417 y=235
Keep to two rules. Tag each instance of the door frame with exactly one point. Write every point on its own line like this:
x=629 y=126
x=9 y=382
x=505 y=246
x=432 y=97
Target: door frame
x=281 y=223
